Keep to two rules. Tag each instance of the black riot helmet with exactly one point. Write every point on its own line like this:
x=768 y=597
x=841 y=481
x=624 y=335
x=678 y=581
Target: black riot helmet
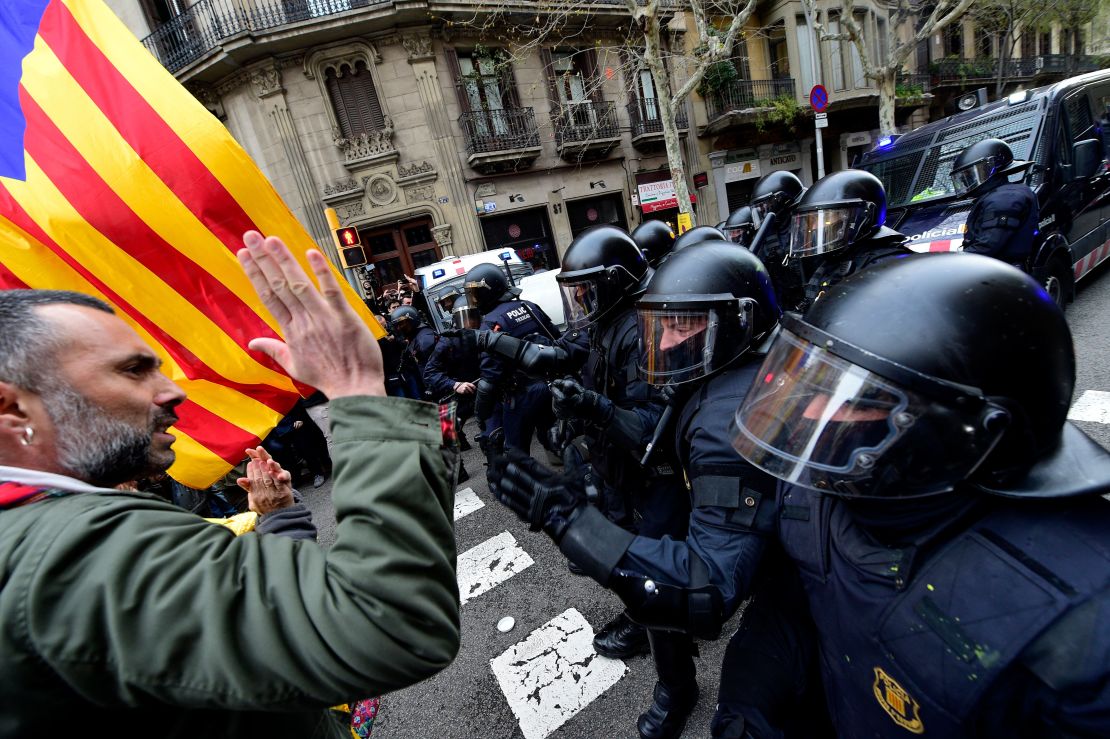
x=740 y=226
x=487 y=286
x=918 y=376
x=697 y=235
x=655 y=239
x=841 y=209
x=463 y=315
x=405 y=320
x=603 y=269
x=984 y=166
x=704 y=307
x=775 y=192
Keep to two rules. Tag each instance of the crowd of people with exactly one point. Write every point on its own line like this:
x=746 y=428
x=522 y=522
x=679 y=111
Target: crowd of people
x=865 y=449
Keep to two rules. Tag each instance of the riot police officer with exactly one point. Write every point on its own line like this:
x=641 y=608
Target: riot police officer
x=421 y=339
x=505 y=396
x=1003 y=221
x=602 y=276
x=696 y=235
x=655 y=239
x=453 y=369
x=706 y=311
x=837 y=229
x=778 y=193
x=947 y=522
x=740 y=226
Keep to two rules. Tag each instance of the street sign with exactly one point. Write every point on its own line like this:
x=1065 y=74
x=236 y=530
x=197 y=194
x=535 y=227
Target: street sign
x=819 y=98
x=821 y=120
x=685 y=223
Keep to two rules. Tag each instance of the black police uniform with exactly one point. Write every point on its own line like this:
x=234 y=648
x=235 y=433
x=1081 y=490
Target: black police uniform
x=959 y=580
x=1003 y=223
x=836 y=266
x=525 y=402
x=454 y=359
x=421 y=346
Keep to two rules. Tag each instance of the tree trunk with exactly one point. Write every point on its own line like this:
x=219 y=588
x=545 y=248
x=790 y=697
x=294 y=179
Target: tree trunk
x=653 y=56
x=886 y=100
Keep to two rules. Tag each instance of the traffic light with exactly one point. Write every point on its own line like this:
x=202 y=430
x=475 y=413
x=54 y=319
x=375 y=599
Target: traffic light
x=350 y=247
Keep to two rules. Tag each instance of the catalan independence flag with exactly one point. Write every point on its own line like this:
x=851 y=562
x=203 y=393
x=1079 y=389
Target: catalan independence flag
x=115 y=181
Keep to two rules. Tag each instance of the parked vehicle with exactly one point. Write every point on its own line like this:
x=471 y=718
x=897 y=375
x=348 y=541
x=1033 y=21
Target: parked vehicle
x=440 y=278
x=1064 y=129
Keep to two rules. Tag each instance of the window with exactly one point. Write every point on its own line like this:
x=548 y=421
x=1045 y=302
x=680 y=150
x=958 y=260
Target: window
x=1101 y=99
x=983 y=43
x=778 y=53
x=836 y=55
x=571 y=76
x=805 y=52
x=858 y=77
x=740 y=57
x=1046 y=43
x=1028 y=43
x=482 y=81
x=954 y=40
x=354 y=99
x=397 y=250
x=645 y=87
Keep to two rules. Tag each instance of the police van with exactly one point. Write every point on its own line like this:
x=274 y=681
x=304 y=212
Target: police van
x=1064 y=129
x=440 y=278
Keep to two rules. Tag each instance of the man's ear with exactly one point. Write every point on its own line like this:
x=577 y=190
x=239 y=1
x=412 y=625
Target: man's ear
x=13 y=414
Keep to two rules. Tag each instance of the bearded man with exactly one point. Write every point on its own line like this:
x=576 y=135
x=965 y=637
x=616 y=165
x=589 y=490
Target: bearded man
x=139 y=617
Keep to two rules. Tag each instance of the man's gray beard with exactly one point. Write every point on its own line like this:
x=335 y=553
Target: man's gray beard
x=93 y=446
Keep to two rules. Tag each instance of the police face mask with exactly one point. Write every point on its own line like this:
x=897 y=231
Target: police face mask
x=816 y=420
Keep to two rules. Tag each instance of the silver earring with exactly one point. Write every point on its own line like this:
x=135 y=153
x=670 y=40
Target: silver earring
x=28 y=436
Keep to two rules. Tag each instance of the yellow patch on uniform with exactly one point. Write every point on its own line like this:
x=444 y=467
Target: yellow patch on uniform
x=898 y=704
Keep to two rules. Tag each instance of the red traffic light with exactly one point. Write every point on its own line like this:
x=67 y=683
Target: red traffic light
x=348 y=236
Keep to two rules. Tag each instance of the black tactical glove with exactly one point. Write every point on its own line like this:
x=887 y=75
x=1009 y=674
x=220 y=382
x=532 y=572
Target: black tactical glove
x=492 y=444
x=570 y=400
x=542 y=498
x=482 y=337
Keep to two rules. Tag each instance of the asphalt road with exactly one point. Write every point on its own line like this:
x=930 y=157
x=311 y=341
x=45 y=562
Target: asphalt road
x=541 y=679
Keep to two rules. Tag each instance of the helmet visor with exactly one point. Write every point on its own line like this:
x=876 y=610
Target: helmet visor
x=466 y=316
x=680 y=344
x=815 y=232
x=581 y=302
x=970 y=177
x=816 y=420
x=738 y=234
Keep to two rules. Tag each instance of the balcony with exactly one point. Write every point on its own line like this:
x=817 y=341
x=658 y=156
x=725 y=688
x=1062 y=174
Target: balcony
x=742 y=101
x=504 y=140
x=204 y=26
x=962 y=72
x=647 y=127
x=1064 y=65
x=585 y=130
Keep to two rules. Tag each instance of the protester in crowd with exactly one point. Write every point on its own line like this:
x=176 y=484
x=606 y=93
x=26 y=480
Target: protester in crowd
x=297 y=441
x=108 y=616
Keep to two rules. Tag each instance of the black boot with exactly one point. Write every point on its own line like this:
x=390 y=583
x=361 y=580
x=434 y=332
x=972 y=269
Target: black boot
x=676 y=692
x=621 y=638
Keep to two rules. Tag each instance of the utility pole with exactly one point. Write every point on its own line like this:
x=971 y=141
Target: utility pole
x=812 y=30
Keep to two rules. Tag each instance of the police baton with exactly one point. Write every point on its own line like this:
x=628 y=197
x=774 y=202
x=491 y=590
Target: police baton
x=768 y=222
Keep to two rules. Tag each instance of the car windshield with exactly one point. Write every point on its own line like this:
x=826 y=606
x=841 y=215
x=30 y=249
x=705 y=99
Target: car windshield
x=919 y=165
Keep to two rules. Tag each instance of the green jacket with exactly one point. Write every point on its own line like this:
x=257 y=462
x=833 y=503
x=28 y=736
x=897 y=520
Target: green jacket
x=123 y=614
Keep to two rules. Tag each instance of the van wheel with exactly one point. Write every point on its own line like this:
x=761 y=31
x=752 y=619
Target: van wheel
x=1056 y=283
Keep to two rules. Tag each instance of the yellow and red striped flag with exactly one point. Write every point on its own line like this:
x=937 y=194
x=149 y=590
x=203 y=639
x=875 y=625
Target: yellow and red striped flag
x=124 y=187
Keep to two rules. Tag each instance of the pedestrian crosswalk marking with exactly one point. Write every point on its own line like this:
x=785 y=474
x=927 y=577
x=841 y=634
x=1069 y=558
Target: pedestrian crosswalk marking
x=1092 y=406
x=466 y=501
x=554 y=673
x=489 y=564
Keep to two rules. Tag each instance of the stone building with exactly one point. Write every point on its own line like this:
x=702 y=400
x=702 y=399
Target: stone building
x=432 y=136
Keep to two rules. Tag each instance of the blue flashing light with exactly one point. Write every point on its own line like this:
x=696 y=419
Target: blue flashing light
x=885 y=141
x=437 y=273
x=505 y=256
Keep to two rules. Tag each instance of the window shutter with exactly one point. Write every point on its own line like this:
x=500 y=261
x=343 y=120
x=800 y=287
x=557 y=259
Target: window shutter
x=453 y=69
x=354 y=99
x=549 y=72
x=593 y=75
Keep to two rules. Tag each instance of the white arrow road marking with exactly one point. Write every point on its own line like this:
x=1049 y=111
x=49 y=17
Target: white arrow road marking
x=489 y=564
x=466 y=501
x=554 y=673
x=1093 y=406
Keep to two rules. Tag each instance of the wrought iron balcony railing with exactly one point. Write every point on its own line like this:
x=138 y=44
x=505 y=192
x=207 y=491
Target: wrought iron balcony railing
x=748 y=94
x=644 y=115
x=581 y=122
x=499 y=130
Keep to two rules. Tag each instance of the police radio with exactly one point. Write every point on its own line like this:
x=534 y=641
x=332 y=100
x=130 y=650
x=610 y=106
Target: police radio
x=351 y=253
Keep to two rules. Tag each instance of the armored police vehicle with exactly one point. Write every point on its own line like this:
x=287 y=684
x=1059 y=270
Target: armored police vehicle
x=1064 y=129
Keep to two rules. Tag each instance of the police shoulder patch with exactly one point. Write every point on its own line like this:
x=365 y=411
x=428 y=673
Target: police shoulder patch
x=898 y=704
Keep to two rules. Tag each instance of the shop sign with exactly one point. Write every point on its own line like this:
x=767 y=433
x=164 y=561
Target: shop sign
x=862 y=138
x=657 y=196
x=745 y=170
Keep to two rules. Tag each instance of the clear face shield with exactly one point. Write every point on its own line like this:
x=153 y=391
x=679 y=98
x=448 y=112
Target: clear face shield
x=474 y=291
x=465 y=316
x=970 y=177
x=679 y=343
x=741 y=234
x=816 y=420
x=829 y=228
x=581 y=302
